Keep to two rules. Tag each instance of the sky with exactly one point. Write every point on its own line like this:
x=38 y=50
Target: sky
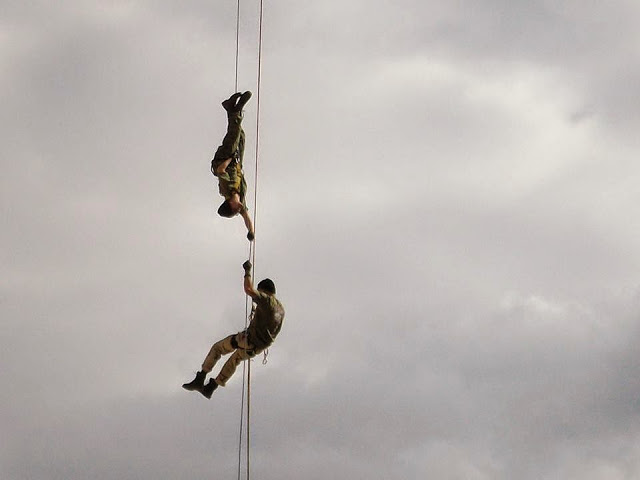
x=446 y=200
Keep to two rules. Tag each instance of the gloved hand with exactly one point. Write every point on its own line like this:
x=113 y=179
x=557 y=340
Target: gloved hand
x=251 y=236
x=247 y=266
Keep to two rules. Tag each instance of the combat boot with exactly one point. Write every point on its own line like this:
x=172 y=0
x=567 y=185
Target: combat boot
x=230 y=103
x=208 y=389
x=197 y=383
x=244 y=98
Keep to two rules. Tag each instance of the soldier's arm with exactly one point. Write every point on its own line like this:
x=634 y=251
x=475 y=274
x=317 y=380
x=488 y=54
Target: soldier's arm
x=220 y=169
x=247 y=221
x=248 y=284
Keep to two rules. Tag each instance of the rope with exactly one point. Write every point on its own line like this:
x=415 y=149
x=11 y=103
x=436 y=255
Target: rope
x=252 y=245
x=248 y=416
x=242 y=415
x=259 y=83
x=241 y=422
x=235 y=88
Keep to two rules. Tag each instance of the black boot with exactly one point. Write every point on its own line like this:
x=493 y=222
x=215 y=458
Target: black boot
x=244 y=98
x=230 y=103
x=208 y=389
x=197 y=383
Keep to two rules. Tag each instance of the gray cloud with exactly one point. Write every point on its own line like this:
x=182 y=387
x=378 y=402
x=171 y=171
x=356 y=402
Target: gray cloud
x=446 y=204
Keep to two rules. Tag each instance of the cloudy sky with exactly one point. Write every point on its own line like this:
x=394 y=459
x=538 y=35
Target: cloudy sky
x=447 y=202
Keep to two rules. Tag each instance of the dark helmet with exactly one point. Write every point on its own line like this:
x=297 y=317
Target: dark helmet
x=225 y=210
x=267 y=285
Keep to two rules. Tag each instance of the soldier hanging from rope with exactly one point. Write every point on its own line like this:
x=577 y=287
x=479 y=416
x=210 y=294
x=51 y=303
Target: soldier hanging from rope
x=227 y=163
x=265 y=325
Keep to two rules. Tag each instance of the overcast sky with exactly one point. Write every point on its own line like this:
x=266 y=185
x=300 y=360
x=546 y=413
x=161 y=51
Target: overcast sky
x=447 y=203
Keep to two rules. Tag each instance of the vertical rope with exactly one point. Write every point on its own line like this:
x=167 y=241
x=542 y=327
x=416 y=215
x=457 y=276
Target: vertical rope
x=246 y=368
x=258 y=92
x=252 y=248
x=246 y=384
x=235 y=88
x=241 y=423
x=248 y=416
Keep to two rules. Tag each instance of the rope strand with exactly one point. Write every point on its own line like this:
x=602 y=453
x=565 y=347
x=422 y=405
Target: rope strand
x=246 y=375
x=241 y=423
x=235 y=89
x=242 y=414
x=252 y=248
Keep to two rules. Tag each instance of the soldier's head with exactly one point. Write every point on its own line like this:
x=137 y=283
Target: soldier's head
x=229 y=208
x=267 y=286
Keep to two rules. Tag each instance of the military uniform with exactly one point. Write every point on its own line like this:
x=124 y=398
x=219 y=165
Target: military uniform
x=262 y=331
x=232 y=179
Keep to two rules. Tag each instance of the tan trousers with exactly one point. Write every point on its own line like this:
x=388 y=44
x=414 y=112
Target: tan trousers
x=243 y=351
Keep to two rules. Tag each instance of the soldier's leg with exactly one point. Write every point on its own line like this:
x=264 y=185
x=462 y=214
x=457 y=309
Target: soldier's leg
x=244 y=351
x=232 y=138
x=230 y=103
x=229 y=367
x=240 y=147
x=223 y=347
